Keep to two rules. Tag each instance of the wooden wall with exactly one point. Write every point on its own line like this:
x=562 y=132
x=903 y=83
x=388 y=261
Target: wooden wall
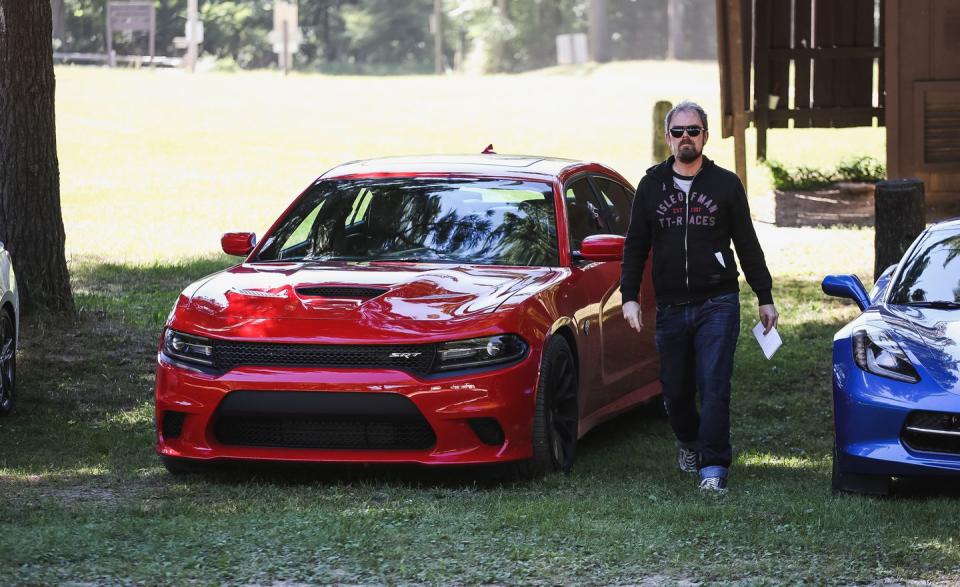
x=923 y=96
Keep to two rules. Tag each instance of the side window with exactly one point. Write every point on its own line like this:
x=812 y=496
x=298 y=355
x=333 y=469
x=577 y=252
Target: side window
x=583 y=212
x=617 y=201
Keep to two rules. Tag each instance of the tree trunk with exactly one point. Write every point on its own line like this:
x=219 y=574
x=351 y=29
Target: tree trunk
x=599 y=31
x=438 y=67
x=676 y=34
x=31 y=224
x=900 y=217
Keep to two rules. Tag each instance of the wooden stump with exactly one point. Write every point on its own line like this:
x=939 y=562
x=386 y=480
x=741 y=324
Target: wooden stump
x=899 y=219
x=661 y=150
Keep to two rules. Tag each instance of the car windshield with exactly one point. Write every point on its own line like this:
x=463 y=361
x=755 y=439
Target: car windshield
x=443 y=220
x=932 y=274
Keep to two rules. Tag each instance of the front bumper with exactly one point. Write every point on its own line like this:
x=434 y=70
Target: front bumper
x=448 y=405
x=870 y=415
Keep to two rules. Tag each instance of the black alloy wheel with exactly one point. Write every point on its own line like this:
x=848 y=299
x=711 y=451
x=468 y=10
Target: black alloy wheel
x=562 y=410
x=8 y=362
x=555 y=417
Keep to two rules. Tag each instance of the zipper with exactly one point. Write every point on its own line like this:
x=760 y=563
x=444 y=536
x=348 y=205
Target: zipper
x=686 y=229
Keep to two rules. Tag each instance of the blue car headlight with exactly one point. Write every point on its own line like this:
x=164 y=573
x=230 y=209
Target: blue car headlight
x=876 y=352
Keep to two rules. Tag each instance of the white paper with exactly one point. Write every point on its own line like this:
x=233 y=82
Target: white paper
x=720 y=259
x=770 y=342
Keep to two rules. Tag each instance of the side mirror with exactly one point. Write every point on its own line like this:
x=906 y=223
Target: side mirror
x=238 y=244
x=846 y=286
x=602 y=247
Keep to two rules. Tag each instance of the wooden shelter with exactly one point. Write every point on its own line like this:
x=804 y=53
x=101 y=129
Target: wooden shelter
x=842 y=63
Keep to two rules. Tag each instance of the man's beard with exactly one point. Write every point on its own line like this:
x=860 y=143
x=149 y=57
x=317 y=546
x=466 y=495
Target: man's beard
x=685 y=155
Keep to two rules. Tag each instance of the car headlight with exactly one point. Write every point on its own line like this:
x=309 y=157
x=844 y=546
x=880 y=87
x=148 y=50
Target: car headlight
x=187 y=347
x=479 y=352
x=876 y=352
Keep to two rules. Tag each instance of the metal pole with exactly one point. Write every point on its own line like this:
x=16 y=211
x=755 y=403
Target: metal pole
x=192 y=19
x=286 y=49
x=438 y=36
x=111 y=60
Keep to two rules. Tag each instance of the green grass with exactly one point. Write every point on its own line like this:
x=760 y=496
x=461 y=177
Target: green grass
x=155 y=165
x=86 y=500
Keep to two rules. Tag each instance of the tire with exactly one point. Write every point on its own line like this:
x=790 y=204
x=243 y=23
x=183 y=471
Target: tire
x=878 y=485
x=8 y=363
x=555 y=417
x=177 y=466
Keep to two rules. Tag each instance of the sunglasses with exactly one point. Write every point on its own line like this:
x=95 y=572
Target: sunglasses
x=692 y=130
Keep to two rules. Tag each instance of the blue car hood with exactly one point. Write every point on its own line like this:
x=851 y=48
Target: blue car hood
x=931 y=338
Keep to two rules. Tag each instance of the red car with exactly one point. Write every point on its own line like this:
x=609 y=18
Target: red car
x=435 y=310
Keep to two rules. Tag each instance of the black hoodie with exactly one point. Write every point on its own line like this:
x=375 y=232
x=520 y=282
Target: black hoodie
x=692 y=259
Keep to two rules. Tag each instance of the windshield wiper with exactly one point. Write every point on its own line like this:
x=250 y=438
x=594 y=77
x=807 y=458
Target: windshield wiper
x=935 y=304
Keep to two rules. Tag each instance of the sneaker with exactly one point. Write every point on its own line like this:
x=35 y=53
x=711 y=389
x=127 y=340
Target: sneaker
x=715 y=485
x=689 y=460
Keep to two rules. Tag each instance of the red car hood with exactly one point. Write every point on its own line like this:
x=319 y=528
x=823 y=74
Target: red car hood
x=257 y=300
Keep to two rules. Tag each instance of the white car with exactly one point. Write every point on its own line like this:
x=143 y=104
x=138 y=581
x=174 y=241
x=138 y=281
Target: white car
x=9 y=330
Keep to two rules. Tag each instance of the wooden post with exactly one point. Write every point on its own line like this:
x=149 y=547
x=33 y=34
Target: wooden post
x=661 y=150
x=762 y=77
x=738 y=96
x=899 y=212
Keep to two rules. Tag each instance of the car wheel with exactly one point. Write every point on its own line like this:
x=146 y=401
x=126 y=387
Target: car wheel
x=8 y=363
x=857 y=483
x=555 y=416
x=177 y=466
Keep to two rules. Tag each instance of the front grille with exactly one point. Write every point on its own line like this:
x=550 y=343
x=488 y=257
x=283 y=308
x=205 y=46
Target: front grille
x=416 y=359
x=353 y=292
x=932 y=432
x=320 y=420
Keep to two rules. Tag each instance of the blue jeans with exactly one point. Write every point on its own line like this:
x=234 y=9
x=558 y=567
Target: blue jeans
x=696 y=343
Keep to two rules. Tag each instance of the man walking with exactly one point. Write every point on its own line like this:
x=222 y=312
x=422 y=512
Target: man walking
x=688 y=210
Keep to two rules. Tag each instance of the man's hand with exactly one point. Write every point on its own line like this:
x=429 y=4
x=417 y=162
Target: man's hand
x=768 y=316
x=631 y=313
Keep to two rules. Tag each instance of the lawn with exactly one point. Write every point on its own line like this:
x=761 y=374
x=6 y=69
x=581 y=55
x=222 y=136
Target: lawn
x=156 y=164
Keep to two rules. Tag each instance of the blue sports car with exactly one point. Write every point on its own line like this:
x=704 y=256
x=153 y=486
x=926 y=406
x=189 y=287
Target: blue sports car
x=896 y=368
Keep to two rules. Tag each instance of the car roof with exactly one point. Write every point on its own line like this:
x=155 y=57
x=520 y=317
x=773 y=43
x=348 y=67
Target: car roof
x=948 y=224
x=484 y=164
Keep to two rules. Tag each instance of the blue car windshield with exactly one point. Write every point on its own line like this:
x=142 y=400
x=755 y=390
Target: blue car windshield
x=932 y=274
x=442 y=220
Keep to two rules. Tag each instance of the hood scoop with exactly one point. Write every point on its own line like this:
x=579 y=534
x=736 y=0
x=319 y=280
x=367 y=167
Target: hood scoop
x=341 y=292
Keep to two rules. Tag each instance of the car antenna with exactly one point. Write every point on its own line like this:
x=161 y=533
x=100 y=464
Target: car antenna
x=489 y=150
